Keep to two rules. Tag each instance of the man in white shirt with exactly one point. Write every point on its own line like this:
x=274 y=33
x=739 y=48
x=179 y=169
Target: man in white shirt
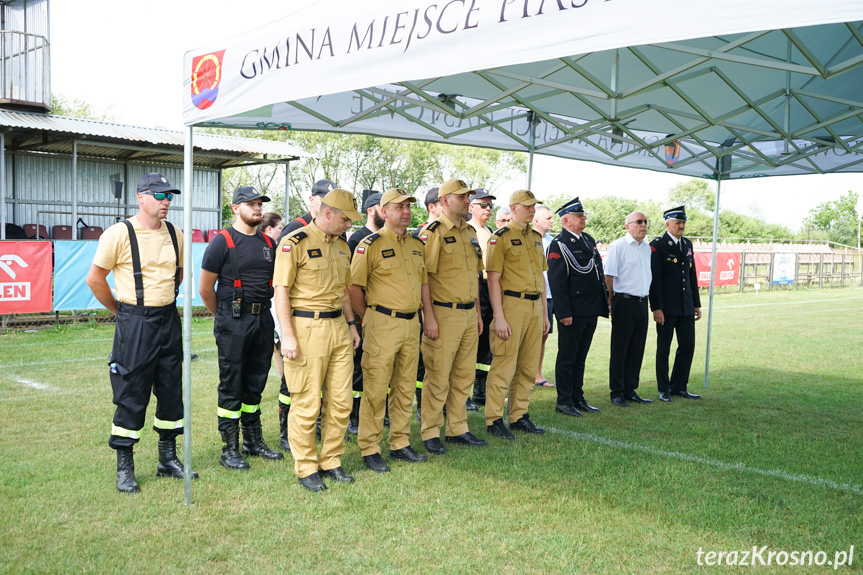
x=628 y=276
x=543 y=220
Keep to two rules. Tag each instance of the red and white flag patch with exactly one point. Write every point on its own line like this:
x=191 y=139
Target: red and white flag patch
x=286 y=248
x=361 y=250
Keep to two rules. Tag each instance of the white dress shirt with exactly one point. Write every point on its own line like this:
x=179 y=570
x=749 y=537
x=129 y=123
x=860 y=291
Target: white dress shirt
x=629 y=263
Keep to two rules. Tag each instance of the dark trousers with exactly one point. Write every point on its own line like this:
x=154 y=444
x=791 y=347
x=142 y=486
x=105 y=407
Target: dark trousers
x=483 y=349
x=573 y=343
x=685 y=327
x=628 y=336
x=147 y=357
x=245 y=354
x=358 y=367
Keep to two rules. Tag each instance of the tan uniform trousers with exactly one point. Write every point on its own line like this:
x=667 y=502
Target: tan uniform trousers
x=320 y=375
x=513 y=369
x=390 y=356
x=450 y=363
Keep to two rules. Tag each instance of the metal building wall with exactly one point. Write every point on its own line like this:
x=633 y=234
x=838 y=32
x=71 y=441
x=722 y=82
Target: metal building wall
x=43 y=184
x=25 y=51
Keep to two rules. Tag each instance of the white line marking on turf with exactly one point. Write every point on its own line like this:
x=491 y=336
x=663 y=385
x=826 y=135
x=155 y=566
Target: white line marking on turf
x=36 y=384
x=817 y=481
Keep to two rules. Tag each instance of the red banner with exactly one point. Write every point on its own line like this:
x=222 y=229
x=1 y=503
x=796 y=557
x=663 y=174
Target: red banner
x=727 y=264
x=25 y=277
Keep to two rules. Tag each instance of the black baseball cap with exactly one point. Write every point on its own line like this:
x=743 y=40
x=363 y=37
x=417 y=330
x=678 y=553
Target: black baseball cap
x=482 y=194
x=155 y=182
x=247 y=194
x=323 y=187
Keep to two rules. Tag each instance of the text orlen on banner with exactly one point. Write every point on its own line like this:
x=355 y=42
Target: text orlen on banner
x=728 y=265
x=25 y=277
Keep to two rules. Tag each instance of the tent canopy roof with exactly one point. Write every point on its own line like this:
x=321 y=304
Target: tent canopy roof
x=615 y=82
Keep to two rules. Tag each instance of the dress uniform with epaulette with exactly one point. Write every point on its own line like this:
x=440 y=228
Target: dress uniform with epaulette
x=577 y=283
x=391 y=269
x=453 y=259
x=515 y=252
x=674 y=292
x=311 y=276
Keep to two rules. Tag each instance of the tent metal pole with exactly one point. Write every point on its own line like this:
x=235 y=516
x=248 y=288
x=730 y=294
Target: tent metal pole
x=3 y=186
x=532 y=128
x=187 y=313
x=287 y=190
x=712 y=278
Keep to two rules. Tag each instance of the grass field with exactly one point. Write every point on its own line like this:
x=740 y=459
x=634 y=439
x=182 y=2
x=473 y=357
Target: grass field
x=770 y=457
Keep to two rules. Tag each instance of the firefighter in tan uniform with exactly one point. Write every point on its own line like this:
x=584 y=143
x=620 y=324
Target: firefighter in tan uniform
x=390 y=266
x=319 y=335
x=451 y=323
x=516 y=287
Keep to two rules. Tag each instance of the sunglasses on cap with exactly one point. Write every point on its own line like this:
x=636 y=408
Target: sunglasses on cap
x=161 y=195
x=483 y=205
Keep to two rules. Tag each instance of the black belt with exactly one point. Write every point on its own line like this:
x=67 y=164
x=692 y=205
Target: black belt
x=317 y=314
x=454 y=305
x=398 y=314
x=633 y=297
x=255 y=308
x=147 y=311
x=518 y=294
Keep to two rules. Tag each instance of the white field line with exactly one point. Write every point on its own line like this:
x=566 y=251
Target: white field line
x=36 y=385
x=816 y=481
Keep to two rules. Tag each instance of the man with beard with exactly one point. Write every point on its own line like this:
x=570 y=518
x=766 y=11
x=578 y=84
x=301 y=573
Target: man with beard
x=148 y=350
x=390 y=267
x=480 y=210
x=241 y=258
x=374 y=222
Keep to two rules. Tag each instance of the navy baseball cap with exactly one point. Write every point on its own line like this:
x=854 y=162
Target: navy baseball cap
x=323 y=187
x=482 y=194
x=247 y=194
x=155 y=182
x=432 y=197
x=374 y=199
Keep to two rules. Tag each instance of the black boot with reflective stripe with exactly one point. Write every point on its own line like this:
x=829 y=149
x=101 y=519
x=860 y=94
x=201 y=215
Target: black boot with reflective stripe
x=283 y=428
x=231 y=458
x=169 y=465
x=253 y=443
x=126 y=471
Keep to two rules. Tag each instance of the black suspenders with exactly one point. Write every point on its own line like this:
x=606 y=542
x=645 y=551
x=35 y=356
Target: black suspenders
x=137 y=274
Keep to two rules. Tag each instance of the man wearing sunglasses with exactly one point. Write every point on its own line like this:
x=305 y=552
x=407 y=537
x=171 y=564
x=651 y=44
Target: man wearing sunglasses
x=480 y=210
x=627 y=277
x=145 y=255
x=241 y=259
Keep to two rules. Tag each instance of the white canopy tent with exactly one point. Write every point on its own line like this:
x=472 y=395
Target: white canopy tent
x=736 y=89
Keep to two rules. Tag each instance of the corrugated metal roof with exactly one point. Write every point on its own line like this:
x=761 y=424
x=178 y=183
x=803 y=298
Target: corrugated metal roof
x=20 y=128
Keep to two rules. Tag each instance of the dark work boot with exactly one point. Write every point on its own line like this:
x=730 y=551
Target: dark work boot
x=479 y=391
x=354 y=420
x=283 y=428
x=231 y=458
x=169 y=465
x=419 y=396
x=126 y=471
x=253 y=443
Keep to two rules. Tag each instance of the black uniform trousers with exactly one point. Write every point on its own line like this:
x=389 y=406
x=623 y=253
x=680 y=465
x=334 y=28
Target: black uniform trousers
x=684 y=325
x=483 y=348
x=628 y=337
x=147 y=357
x=245 y=353
x=573 y=343
x=357 y=385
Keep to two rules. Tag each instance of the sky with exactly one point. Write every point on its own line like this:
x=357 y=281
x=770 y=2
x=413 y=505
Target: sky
x=126 y=59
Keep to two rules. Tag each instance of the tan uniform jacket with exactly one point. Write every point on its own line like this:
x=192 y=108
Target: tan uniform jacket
x=516 y=252
x=453 y=257
x=391 y=269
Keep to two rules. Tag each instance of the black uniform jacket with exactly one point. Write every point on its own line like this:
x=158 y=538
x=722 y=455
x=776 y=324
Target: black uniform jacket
x=577 y=288
x=674 y=288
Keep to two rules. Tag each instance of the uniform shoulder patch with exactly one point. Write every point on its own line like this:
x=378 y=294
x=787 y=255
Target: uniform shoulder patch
x=433 y=226
x=501 y=231
x=297 y=237
x=370 y=238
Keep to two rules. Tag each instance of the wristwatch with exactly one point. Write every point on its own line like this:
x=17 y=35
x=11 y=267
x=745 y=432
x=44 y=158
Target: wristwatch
x=354 y=323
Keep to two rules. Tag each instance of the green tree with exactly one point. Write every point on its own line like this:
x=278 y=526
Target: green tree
x=695 y=193
x=838 y=219
x=77 y=108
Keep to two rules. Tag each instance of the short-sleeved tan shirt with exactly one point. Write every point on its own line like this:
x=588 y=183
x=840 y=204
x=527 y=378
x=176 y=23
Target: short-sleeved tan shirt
x=391 y=269
x=158 y=261
x=516 y=252
x=453 y=257
x=314 y=268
